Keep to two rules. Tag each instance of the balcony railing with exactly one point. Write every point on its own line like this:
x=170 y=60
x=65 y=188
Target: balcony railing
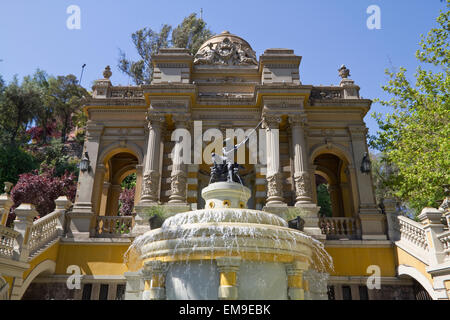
x=43 y=231
x=113 y=226
x=8 y=238
x=336 y=228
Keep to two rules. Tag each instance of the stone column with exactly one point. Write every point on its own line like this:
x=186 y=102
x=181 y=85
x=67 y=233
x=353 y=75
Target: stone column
x=294 y=272
x=274 y=176
x=104 y=199
x=139 y=179
x=5 y=204
x=98 y=187
x=228 y=268
x=82 y=213
x=151 y=179
x=301 y=173
x=154 y=280
x=114 y=195
x=178 y=178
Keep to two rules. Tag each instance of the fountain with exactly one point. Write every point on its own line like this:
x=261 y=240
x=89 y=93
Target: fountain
x=227 y=251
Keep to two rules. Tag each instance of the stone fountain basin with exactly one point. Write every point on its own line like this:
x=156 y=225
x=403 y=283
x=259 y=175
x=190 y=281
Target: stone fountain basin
x=205 y=234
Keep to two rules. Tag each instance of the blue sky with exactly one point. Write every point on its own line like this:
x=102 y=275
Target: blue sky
x=326 y=33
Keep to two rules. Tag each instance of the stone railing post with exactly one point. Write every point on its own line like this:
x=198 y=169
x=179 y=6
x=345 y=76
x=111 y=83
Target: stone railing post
x=5 y=204
x=392 y=219
x=62 y=205
x=154 y=274
x=294 y=271
x=23 y=223
x=228 y=268
x=431 y=219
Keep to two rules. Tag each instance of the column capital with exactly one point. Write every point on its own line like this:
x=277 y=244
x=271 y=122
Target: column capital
x=298 y=120
x=181 y=121
x=154 y=120
x=296 y=268
x=358 y=131
x=271 y=121
x=228 y=264
x=154 y=267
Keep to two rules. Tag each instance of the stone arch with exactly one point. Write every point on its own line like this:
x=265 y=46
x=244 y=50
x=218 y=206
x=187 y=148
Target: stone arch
x=118 y=147
x=123 y=173
x=335 y=148
x=404 y=270
x=45 y=267
x=332 y=162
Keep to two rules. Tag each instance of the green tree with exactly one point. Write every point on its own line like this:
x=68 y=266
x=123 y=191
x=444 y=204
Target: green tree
x=324 y=200
x=190 y=34
x=13 y=162
x=19 y=104
x=415 y=137
x=66 y=98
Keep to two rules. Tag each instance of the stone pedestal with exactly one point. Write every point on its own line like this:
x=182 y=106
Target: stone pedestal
x=373 y=225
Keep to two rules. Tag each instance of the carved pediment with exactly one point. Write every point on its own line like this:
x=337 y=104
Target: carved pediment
x=228 y=51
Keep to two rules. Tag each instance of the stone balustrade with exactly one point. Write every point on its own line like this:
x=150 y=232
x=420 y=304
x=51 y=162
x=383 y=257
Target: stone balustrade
x=444 y=238
x=340 y=227
x=43 y=231
x=8 y=239
x=113 y=226
x=413 y=232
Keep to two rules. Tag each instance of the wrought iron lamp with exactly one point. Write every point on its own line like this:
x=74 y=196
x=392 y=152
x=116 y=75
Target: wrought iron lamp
x=366 y=165
x=85 y=163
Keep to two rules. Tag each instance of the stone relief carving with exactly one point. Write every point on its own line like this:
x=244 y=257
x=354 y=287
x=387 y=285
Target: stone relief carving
x=302 y=184
x=178 y=184
x=326 y=94
x=344 y=73
x=226 y=53
x=150 y=185
x=274 y=185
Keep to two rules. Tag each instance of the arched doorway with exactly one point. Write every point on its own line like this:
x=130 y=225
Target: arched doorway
x=333 y=185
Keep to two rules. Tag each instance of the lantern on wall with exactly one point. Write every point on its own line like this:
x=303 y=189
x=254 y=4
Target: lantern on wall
x=366 y=165
x=84 y=163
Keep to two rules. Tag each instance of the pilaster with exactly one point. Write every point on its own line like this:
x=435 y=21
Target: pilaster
x=228 y=268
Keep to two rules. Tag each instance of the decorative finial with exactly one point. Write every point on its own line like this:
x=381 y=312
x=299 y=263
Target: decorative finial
x=226 y=32
x=344 y=73
x=8 y=186
x=107 y=72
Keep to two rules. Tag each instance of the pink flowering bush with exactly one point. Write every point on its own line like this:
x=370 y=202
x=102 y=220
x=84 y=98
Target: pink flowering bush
x=43 y=189
x=126 y=199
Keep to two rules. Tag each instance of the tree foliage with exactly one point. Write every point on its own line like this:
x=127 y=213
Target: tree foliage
x=13 y=162
x=415 y=137
x=324 y=200
x=126 y=200
x=19 y=104
x=190 y=34
x=42 y=189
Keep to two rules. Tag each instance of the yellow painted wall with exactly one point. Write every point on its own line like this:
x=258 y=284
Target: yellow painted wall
x=409 y=260
x=50 y=253
x=93 y=259
x=353 y=261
